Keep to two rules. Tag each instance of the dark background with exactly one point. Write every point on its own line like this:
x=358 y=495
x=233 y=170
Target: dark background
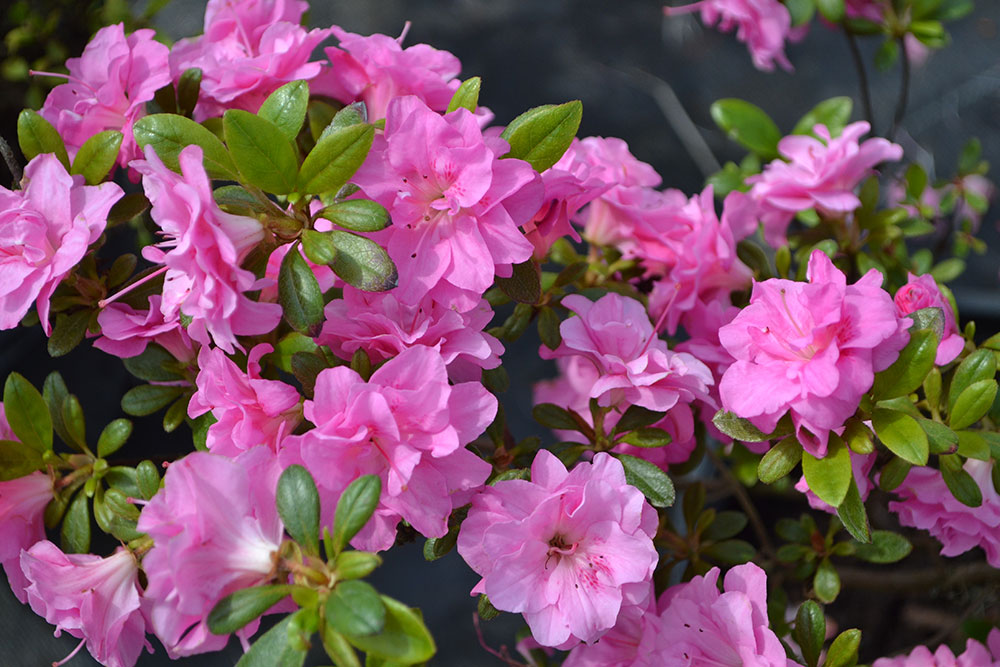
x=549 y=51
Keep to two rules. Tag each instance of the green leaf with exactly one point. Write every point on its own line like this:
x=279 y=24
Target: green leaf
x=274 y=648
x=829 y=477
x=169 y=134
x=337 y=647
x=356 y=564
x=353 y=114
x=902 y=435
x=68 y=332
x=54 y=392
x=893 y=474
x=485 y=609
x=885 y=547
x=298 y=505
x=980 y=365
x=149 y=398
x=97 y=156
x=779 y=460
x=524 y=284
x=833 y=113
x=887 y=54
x=541 y=135
x=17 y=460
x=972 y=404
x=553 y=416
x=548 y=327
x=124 y=479
x=649 y=479
x=75 y=531
x=738 y=428
x=832 y=10
x=263 y=154
x=730 y=552
x=299 y=294
x=188 y=89
x=404 y=639
x=843 y=651
x=748 y=125
x=176 y=414
x=466 y=96
x=647 y=436
x=318 y=247
x=940 y=438
x=959 y=482
x=27 y=414
x=362 y=263
x=73 y=420
x=153 y=365
x=355 y=609
x=972 y=445
x=234 y=611
x=359 y=215
x=948 y=270
x=355 y=507
x=113 y=437
x=727 y=524
x=334 y=159
x=853 y=515
x=909 y=370
x=635 y=417
x=147 y=478
x=826 y=583
x=286 y=108
x=35 y=135
x=801 y=10
x=810 y=631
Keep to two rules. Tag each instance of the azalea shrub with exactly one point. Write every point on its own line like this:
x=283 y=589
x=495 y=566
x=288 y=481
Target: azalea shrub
x=338 y=243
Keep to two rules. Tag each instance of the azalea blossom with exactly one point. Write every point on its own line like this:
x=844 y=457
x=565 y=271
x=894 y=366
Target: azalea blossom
x=126 y=332
x=975 y=655
x=923 y=292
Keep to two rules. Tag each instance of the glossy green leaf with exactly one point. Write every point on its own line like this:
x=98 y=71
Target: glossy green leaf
x=972 y=445
x=354 y=508
x=909 y=370
x=524 y=285
x=635 y=417
x=188 y=89
x=114 y=435
x=738 y=428
x=17 y=460
x=972 y=404
x=853 y=515
x=147 y=478
x=779 y=460
x=961 y=484
x=355 y=609
x=648 y=478
x=318 y=247
x=338 y=648
x=553 y=416
x=843 y=651
x=334 y=159
x=548 y=327
x=274 y=648
x=810 y=631
x=54 y=392
x=358 y=215
x=885 y=547
x=286 y=108
x=940 y=438
x=26 y=413
x=748 y=125
x=236 y=610
x=826 y=582
x=829 y=477
x=727 y=524
x=978 y=366
x=362 y=263
x=97 y=156
x=833 y=113
x=169 y=134
x=153 y=365
x=263 y=154
x=75 y=531
x=647 y=437
x=404 y=639
x=149 y=398
x=297 y=500
x=176 y=414
x=902 y=435
x=356 y=564
x=485 y=609
x=68 y=332
x=466 y=95
x=35 y=135
x=299 y=294
x=73 y=420
x=541 y=136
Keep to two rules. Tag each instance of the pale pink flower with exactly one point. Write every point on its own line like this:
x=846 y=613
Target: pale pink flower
x=926 y=503
x=820 y=173
x=125 y=331
x=92 y=598
x=45 y=230
x=407 y=425
x=22 y=508
x=811 y=349
x=763 y=25
x=375 y=69
x=634 y=365
x=455 y=205
x=382 y=326
x=215 y=530
x=568 y=550
x=250 y=48
x=861 y=467
x=108 y=87
x=728 y=629
x=202 y=254
x=249 y=410
x=975 y=655
x=923 y=292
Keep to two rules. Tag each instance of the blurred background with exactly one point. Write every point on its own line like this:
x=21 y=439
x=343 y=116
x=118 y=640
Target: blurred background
x=637 y=73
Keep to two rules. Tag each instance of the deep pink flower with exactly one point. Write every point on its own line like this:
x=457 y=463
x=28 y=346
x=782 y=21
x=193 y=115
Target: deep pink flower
x=926 y=503
x=635 y=641
x=45 y=230
x=95 y=599
x=635 y=367
x=811 y=349
x=455 y=205
x=820 y=173
x=763 y=25
x=125 y=331
x=248 y=409
x=108 y=87
x=383 y=327
x=22 y=507
x=569 y=550
x=375 y=69
x=861 y=467
x=408 y=426
x=250 y=49
x=215 y=530
x=923 y=292
x=202 y=253
x=565 y=194
x=975 y=655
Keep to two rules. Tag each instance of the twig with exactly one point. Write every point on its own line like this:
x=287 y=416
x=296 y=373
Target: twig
x=12 y=164
x=743 y=498
x=916 y=580
x=904 y=90
x=501 y=654
x=859 y=65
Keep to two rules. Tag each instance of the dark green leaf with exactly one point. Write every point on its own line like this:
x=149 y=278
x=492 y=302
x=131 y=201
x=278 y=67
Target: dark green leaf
x=234 y=611
x=75 y=531
x=548 y=328
x=649 y=479
x=96 y=156
x=263 y=154
x=910 y=369
x=318 y=247
x=127 y=208
x=978 y=366
x=168 y=134
x=299 y=294
x=404 y=639
x=885 y=547
x=887 y=54
x=726 y=524
x=940 y=438
x=122 y=269
x=853 y=515
x=832 y=10
x=730 y=552
x=636 y=417
x=829 y=477
x=362 y=263
x=73 y=420
x=485 y=609
x=54 y=392
x=335 y=158
x=739 y=428
x=902 y=435
x=17 y=460
x=274 y=648
x=355 y=609
x=147 y=478
x=358 y=215
x=166 y=98
x=188 y=89
x=571 y=274
x=176 y=414
x=893 y=474
x=779 y=460
x=791 y=530
x=298 y=505
x=149 y=398
x=361 y=364
x=826 y=583
x=541 y=135
x=27 y=414
x=466 y=96
x=124 y=479
x=972 y=404
x=754 y=257
x=844 y=649
x=748 y=125
x=810 y=631
x=286 y=108
x=113 y=437
x=354 y=508
x=524 y=284
x=647 y=436
x=552 y=416
x=833 y=113
x=199 y=430
x=68 y=332
x=959 y=482
x=153 y=365
x=36 y=135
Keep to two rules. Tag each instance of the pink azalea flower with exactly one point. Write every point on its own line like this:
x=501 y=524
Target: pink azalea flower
x=811 y=349
x=202 y=254
x=975 y=655
x=249 y=410
x=125 y=331
x=635 y=641
x=565 y=194
x=871 y=10
x=108 y=87
x=861 y=466
x=729 y=629
x=250 y=49
x=375 y=69
x=634 y=365
x=763 y=25
x=820 y=173
x=383 y=327
x=455 y=205
x=215 y=530
x=95 y=599
x=926 y=503
x=45 y=230
x=408 y=426
x=923 y=292
x=568 y=550
x=613 y=218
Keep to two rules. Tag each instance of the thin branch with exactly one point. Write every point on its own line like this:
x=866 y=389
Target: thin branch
x=904 y=89
x=919 y=580
x=859 y=65
x=12 y=164
x=743 y=498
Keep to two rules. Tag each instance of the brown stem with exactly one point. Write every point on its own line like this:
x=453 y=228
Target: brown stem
x=916 y=580
x=743 y=498
x=12 y=164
